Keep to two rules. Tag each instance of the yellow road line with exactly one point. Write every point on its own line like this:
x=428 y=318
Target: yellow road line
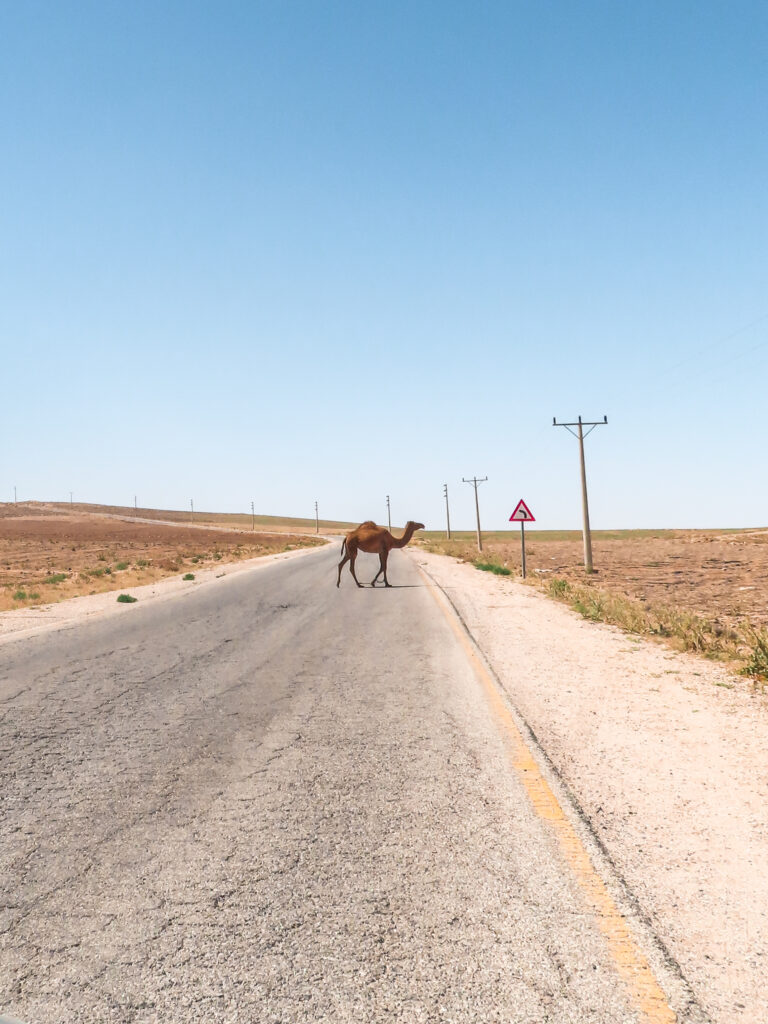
x=631 y=963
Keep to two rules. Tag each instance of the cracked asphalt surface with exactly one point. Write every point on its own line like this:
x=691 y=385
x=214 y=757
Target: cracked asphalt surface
x=274 y=801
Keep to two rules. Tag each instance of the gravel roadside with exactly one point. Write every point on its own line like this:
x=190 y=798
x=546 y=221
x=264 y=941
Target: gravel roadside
x=667 y=755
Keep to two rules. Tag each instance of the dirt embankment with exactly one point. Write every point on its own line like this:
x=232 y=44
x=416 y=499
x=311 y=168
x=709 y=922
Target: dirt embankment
x=47 y=556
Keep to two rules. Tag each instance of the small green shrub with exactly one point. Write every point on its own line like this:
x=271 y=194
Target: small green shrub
x=126 y=599
x=591 y=606
x=217 y=555
x=57 y=577
x=142 y=563
x=20 y=595
x=34 y=597
x=195 y=558
x=559 y=588
x=189 y=576
x=500 y=570
x=121 y=566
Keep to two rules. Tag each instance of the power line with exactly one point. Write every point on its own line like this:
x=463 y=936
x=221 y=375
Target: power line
x=673 y=379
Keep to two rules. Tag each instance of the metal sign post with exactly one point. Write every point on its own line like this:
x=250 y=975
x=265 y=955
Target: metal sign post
x=522 y=515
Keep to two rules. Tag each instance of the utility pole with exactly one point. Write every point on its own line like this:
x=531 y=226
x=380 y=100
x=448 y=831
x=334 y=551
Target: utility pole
x=317 y=520
x=135 y=504
x=389 y=516
x=191 y=506
x=447 y=512
x=14 y=495
x=475 y=482
x=253 y=517
x=70 y=499
x=579 y=433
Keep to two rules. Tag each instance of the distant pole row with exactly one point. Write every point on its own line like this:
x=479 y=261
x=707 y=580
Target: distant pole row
x=578 y=433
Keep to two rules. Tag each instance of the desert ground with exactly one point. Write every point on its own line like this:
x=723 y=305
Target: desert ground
x=711 y=587
x=49 y=553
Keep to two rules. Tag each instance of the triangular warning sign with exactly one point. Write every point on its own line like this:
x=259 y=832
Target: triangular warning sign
x=522 y=514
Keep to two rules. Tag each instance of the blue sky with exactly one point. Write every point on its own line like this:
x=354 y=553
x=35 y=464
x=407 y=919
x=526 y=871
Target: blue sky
x=293 y=251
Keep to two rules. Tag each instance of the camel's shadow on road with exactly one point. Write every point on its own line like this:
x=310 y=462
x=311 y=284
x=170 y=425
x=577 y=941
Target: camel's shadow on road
x=395 y=586
x=392 y=586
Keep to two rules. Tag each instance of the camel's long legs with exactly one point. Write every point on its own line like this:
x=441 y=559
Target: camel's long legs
x=352 y=558
x=342 y=563
x=383 y=555
x=381 y=570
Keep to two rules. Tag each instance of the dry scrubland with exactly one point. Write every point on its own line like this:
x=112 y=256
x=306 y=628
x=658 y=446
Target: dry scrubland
x=705 y=591
x=218 y=520
x=49 y=553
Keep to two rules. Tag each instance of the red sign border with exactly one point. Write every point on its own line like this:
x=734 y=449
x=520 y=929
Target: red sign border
x=531 y=519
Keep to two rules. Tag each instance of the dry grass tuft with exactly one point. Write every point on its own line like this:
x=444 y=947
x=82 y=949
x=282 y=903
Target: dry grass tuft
x=682 y=629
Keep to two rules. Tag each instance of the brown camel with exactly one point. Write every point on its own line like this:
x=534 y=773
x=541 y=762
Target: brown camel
x=376 y=541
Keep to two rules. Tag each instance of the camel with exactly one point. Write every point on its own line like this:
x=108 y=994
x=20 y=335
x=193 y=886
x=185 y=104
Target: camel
x=376 y=541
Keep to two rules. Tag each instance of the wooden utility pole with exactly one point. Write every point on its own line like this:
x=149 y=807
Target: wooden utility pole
x=253 y=517
x=579 y=433
x=14 y=494
x=475 y=482
x=70 y=499
x=447 y=512
x=389 y=516
x=317 y=520
x=191 y=506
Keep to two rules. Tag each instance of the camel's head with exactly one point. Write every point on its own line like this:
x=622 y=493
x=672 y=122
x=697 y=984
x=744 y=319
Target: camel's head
x=416 y=526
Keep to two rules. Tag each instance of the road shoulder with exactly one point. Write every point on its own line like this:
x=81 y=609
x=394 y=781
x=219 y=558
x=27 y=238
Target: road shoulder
x=666 y=755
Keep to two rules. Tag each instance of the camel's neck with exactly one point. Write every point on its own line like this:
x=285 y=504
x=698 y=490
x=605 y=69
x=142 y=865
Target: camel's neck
x=400 y=542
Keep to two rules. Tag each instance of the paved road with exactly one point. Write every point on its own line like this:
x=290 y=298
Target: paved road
x=274 y=801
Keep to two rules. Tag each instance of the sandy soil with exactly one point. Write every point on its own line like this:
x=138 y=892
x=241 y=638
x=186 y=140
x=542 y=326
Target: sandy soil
x=24 y=622
x=667 y=755
x=93 y=553
x=720 y=576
